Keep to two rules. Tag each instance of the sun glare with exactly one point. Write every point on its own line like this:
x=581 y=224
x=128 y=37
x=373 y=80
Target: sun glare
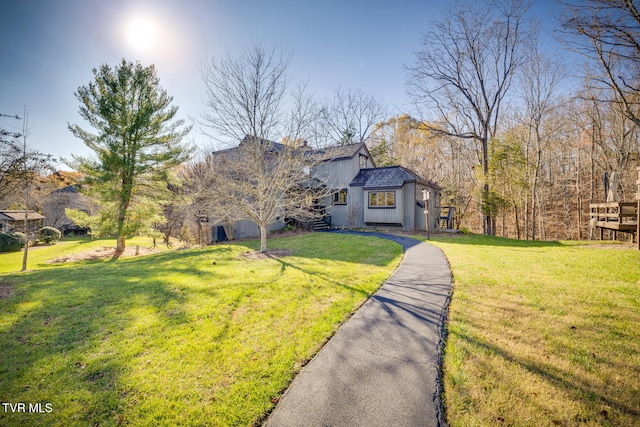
x=141 y=33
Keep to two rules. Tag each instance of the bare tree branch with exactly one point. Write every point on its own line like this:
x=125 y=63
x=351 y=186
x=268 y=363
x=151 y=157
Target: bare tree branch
x=465 y=69
x=608 y=33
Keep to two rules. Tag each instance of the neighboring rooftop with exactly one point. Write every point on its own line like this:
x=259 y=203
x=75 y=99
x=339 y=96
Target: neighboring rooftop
x=68 y=189
x=17 y=215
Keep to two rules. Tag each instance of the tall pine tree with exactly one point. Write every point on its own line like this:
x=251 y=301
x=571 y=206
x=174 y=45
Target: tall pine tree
x=137 y=141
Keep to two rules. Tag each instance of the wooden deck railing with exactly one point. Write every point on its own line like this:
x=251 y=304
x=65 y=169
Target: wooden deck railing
x=616 y=216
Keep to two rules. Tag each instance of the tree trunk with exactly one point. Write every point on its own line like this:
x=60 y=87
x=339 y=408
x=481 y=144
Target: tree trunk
x=120 y=246
x=489 y=221
x=122 y=215
x=515 y=211
x=534 y=195
x=263 y=238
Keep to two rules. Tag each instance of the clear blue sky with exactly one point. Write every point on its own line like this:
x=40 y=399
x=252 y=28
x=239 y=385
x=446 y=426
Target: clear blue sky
x=49 y=48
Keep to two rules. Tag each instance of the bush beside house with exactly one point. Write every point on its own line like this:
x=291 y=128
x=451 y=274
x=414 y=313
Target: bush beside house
x=11 y=242
x=49 y=234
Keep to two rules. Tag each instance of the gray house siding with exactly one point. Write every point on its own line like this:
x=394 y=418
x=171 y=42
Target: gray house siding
x=392 y=216
x=409 y=208
x=337 y=174
x=409 y=222
x=245 y=229
x=356 y=207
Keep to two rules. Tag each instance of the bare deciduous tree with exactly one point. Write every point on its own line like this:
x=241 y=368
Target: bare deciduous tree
x=540 y=81
x=260 y=180
x=351 y=116
x=16 y=165
x=245 y=94
x=464 y=70
x=408 y=142
x=608 y=33
x=276 y=185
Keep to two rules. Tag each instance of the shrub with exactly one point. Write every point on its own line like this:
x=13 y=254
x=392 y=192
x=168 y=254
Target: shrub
x=11 y=242
x=49 y=234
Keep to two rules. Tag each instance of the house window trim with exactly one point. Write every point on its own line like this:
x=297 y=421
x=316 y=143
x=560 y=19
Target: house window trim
x=381 y=207
x=337 y=198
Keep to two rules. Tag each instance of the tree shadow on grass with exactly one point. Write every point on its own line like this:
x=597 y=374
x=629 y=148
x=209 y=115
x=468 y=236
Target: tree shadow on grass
x=574 y=385
x=63 y=319
x=481 y=240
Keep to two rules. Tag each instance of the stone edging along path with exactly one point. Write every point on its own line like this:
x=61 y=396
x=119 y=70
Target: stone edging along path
x=383 y=366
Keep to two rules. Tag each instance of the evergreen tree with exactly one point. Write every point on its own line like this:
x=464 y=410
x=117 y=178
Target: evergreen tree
x=137 y=141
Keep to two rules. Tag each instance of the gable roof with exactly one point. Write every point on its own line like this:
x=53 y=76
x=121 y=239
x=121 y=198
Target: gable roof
x=270 y=147
x=14 y=215
x=386 y=177
x=337 y=152
x=327 y=154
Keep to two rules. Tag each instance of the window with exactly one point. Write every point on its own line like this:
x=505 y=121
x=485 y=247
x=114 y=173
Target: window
x=363 y=161
x=340 y=197
x=382 y=199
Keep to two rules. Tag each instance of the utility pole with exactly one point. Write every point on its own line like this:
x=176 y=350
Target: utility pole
x=26 y=178
x=26 y=191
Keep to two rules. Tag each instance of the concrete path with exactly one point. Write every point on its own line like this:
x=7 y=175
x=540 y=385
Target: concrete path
x=382 y=366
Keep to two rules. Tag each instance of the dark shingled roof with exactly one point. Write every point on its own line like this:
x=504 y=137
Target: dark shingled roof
x=68 y=189
x=269 y=146
x=338 y=152
x=319 y=154
x=387 y=177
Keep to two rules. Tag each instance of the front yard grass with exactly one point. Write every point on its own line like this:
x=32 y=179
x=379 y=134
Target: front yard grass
x=39 y=255
x=200 y=337
x=542 y=333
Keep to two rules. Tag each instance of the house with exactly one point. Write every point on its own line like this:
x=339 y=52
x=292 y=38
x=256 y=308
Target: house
x=13 y=220
x=361 y=194
x=55 y=203
x=364 y=195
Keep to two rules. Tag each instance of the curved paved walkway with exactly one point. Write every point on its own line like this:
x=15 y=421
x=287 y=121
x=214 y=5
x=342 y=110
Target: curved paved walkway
x=382 y=367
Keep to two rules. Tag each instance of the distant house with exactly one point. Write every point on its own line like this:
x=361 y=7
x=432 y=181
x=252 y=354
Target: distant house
x=362 y=195
x=55 y=203
x=13 y=220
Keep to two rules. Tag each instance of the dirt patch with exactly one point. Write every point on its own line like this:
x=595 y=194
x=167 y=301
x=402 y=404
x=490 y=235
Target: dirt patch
x=5 y=290
x=101 y=253
x=288 y=233
x=270 y=253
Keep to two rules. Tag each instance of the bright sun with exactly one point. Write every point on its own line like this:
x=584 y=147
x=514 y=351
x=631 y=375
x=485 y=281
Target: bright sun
x=141 y=33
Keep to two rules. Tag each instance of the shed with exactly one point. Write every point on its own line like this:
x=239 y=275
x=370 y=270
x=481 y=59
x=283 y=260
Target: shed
x=13 y=220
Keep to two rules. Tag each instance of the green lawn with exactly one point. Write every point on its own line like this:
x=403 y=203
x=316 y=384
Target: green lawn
x=542 y=334
x=39 y=255
x=195 y=337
